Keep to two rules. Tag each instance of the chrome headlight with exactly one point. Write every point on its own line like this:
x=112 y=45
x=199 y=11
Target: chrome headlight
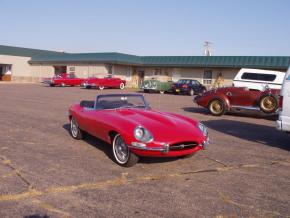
x=142 y=134
x=203 y=129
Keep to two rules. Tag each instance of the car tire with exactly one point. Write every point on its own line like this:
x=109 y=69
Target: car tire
x=216 y=107
x=88 y=87
x=51 y=85
x=75 y=131
x=62 y=84
x=268 y=104
x=146 y=91
x=122 y=86
x=191 y=92
x=122 y=154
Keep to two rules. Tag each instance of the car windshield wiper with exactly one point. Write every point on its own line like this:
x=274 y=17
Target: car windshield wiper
x=133 y=106
x=126 y=106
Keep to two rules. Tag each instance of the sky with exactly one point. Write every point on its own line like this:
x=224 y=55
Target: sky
x=148 y=27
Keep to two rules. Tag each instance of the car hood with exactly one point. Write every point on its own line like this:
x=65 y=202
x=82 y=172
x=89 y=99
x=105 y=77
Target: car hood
x=162 y=125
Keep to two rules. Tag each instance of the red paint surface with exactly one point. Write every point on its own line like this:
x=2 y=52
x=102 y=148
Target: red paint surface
x=165 y=127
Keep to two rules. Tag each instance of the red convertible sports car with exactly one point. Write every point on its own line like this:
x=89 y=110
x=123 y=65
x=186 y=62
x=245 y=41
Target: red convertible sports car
x=63 y=80
x=218 y=101
x=134 y=129
x=101 y=83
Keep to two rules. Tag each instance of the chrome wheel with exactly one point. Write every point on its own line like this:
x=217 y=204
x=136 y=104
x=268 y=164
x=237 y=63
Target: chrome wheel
x=122 y=86
x=268 y=104
x=62 y=84
x=74 y=128
x=120 y=150
x=101 y=87
x=216 y=107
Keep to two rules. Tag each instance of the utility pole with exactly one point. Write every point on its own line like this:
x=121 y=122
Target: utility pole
x=207 y=48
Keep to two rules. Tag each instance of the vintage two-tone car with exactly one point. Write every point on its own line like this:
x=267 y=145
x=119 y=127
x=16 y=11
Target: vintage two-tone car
x=154 y=85
x=134 y=129
x=63 y=80
x=218 y=101
x=106 y=82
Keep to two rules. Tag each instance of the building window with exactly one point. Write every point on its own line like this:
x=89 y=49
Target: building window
x=110 y=70
x=72 y=69
x=157 y=72
x=207 y=77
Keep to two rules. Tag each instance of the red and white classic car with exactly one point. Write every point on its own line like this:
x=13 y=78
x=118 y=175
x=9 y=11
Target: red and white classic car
x=134 y=129
x=101 y=83
x=218 y=101
x=63 y=80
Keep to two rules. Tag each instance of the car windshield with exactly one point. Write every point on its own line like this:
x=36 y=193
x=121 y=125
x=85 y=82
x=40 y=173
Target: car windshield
x=183 y=81
x=120 y=101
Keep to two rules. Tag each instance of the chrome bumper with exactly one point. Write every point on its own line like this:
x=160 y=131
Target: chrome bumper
x=142 y=146
x=164 y=148
x=279 y=125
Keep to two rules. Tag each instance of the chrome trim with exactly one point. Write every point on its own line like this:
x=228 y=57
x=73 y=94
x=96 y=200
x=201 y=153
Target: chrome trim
x=205 y=143
x=182 y=146
x=145 y=130
x=138 y=145
x=245 y=108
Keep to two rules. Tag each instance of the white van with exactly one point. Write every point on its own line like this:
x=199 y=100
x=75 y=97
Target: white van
x=283 y=123
x=259 y=79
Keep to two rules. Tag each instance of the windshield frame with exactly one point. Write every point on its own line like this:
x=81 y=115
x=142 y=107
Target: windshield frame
x=98 y=97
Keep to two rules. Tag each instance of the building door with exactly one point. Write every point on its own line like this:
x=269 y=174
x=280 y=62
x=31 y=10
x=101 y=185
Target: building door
x=137 y=78
x=1 y=73
x=5 y=72
x=59 y=70
x=141 y=75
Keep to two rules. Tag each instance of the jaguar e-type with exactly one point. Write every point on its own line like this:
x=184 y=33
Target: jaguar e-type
x=127 y=122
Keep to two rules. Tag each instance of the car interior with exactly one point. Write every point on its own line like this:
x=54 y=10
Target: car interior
x=105 y=104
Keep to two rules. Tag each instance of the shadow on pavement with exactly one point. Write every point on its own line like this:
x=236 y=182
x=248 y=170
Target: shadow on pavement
x=107 y=149
x=252 y=114
x=263 y=134
x=199 y=110
x=36 y=216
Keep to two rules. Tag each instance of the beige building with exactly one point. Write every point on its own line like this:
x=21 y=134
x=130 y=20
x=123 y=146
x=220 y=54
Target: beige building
x=32 y=65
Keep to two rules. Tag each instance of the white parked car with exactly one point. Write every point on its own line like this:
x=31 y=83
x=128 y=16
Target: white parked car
x=283 y=123
x=259 y=79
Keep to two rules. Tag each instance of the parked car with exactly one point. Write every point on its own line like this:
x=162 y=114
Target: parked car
x=283 y=123
x=188 y=86
x=63 y=80
x=153 y=85
x=134 y=129
x=259 y=79
x=101 y=83
x=218 y=101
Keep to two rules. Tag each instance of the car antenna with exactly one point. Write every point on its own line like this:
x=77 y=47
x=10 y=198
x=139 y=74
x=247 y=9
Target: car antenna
x=159 y=100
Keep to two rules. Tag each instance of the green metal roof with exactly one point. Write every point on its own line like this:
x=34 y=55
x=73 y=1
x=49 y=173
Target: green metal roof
x=265 y=62
x=269 y=62
x=51 y=57
x=24 y=52
x=109 y=57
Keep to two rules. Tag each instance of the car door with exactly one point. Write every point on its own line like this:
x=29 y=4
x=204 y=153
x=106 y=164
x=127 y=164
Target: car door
x=195 y=86
x=242 y=96
x=92 y=121
x=115 y=82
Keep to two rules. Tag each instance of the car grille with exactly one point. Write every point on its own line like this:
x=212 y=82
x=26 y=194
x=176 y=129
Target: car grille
x=182 y=146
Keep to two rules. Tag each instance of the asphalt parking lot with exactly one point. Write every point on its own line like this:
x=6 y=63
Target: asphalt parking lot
x=245 y=172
